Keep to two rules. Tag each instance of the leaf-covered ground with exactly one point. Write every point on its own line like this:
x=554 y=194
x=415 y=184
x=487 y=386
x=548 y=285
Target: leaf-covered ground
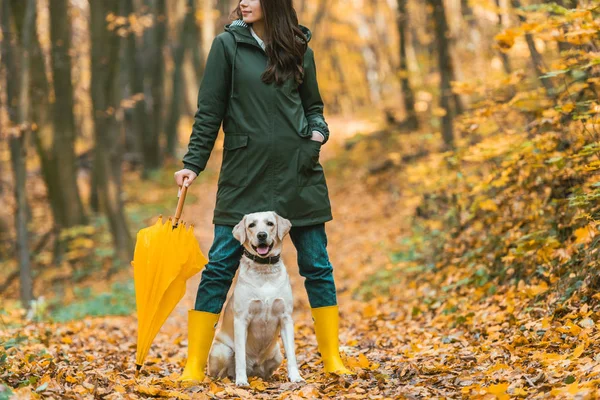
x=464 y=274
x=410 y=339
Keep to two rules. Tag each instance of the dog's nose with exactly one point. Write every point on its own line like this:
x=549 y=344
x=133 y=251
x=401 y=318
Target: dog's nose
x=262 y=235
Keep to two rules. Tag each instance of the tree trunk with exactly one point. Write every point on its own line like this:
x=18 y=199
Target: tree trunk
x=63 y=150
x=503 y=55
x=7 y=45
x=225 y=8
x=43 y=136
x=134 y=63
x=55 y=133
x=105 y=60
x=196 y=45
x=445 y=69
x=536 y=58
x=176 y=97
x=564 y=46
x=17 y=142
x=153 y=159
x=368 y=49
x=407 y=92
x=208 y=24
x=153 y=60
x=337 y=106
x=322 y=11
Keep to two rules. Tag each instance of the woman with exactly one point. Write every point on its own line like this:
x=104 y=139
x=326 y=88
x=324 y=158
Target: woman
x=260 y=81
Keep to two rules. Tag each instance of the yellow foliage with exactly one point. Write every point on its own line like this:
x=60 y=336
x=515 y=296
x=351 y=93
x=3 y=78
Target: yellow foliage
x=506 y=39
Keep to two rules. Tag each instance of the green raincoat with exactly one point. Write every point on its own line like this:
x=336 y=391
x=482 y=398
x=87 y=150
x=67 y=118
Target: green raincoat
x=269 y=161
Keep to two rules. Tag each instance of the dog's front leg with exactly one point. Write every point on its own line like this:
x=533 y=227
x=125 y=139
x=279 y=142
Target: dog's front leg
x=240 y=328
x=287 y=335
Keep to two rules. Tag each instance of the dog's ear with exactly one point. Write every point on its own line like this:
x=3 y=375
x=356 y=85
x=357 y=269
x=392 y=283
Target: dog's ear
x=283 y=226
x=239 y=231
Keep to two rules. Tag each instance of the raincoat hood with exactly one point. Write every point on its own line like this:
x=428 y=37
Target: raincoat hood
x=241 y=32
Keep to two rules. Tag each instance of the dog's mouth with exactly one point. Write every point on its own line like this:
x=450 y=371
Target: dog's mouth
x=263 y=248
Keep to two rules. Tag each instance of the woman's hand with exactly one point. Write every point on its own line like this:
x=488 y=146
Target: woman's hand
x=182 y=174
x=317 y=136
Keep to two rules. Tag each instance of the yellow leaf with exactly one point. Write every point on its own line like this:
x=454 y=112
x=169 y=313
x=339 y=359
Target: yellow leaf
x=573 y=388
x=593 y=166
x=520 y=392
x=578 y=351
x=520 y=341
x=488 y=205
x=505 y=39
x=497 y=367
x=175 y=394
x=567 y=108
x=546 y=322
x=585 y=234
x=499 y=390
x=574 y=329
x=363 y=361
x=258 y=385
x=352 y=362
x=119 y=388
x=534 y=290
x=80 y=389
x=548 y=358
x=66 y=340
x=309 y=392
x=510 y=308
x=149 y=390
x=369 y=311
x=214 y=389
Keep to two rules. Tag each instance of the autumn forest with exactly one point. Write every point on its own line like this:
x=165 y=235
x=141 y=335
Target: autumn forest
x=462 y=167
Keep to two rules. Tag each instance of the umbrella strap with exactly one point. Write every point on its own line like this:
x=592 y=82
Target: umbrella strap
x=262 y=260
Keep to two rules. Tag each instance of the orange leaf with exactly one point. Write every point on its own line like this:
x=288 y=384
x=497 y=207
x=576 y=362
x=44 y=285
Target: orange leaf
x=499 y=390
x=363 y=361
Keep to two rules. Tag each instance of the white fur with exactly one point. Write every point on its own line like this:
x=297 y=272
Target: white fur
x=260 y=308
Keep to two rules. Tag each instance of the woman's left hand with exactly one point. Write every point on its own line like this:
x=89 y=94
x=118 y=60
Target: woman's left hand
x=317 y=136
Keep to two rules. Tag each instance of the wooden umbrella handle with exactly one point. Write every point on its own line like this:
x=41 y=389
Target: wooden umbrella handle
x=180 y=203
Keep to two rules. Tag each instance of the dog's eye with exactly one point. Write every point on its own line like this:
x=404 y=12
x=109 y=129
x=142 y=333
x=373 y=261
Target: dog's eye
x=270 y=223
x=252 y=225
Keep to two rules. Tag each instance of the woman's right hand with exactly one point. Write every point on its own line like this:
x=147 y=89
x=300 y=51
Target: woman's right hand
x=183 y=174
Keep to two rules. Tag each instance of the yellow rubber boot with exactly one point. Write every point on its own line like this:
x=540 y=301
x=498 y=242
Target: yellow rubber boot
x=201 y=331
x=326 y=329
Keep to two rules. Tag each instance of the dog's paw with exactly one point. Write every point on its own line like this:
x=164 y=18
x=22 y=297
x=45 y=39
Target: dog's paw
x=296 y=378
x=242 y=382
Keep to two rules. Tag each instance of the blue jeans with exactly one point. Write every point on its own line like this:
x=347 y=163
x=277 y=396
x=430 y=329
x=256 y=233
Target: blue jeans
x=224 y=257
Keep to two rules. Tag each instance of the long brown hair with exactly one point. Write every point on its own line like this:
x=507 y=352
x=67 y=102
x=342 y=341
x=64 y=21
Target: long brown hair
x=284 y=51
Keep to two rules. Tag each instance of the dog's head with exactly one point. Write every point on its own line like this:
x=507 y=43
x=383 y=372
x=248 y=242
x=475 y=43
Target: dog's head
x=262 y=233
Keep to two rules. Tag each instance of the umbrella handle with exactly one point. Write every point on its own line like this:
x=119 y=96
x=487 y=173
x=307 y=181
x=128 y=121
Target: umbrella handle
x=180 y=203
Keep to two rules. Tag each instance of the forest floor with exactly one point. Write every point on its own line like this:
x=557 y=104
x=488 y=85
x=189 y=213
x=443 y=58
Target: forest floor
x=400 y=343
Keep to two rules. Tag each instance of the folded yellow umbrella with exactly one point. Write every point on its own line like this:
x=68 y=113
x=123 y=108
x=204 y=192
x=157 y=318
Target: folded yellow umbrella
x=166 y=255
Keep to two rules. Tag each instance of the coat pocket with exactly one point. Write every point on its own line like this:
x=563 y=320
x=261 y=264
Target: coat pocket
x=234 y=168
x=310 y=171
